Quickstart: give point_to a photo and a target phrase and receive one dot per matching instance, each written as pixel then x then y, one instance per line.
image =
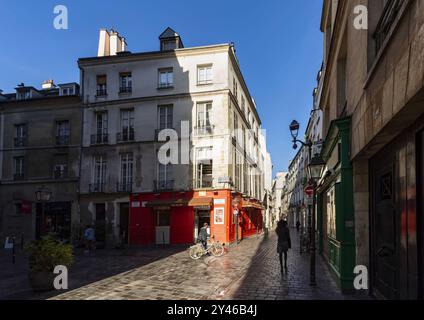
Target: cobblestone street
pixel 248 271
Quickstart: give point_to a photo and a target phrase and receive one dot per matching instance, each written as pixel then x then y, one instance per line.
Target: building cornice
pixel 140 56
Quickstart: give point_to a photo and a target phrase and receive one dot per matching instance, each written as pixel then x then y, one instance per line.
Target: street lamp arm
pixel 305 144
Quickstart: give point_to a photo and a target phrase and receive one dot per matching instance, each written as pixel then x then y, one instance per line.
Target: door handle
pixel 385 252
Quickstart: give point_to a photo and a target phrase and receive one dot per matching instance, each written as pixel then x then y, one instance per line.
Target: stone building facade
pixel 197 97
pixel 373 124
pixel 40 139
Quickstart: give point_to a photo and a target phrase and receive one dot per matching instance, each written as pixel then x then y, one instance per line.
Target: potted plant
pixel 44 255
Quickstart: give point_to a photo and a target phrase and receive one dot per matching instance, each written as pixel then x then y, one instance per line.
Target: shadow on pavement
pixel 14 284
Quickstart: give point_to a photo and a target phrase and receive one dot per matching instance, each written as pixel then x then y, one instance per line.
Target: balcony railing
pixel 157 131
pixel 124 187
pixel 62 140
pixel 19 142
pixel 205 182
pixel 125 89
pixel 101 92
pixel 164 185
pixel 96 187
pixel 165 85
pixel 102 138
pixel 388 17
pixel 60 174
pixel 125 136
pixel 18 176
pixel 204 130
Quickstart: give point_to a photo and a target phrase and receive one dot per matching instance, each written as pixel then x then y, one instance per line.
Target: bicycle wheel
pixel 217 250
pixel 195 253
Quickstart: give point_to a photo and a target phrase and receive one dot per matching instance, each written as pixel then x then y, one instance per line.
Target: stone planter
pixel 41 280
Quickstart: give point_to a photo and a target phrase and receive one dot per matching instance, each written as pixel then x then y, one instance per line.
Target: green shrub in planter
pixel 44 255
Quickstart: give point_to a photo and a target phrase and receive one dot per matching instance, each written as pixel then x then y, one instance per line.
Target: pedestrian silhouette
pixel 284 242
pixel 297 225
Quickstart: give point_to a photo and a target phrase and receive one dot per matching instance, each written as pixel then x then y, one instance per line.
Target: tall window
pixel 204 167
pixel 18 168
pixel 164 181
pixel 62 132
pixel 99 175
pixel 101 85
pixel 125 85
pixel 235 125
pixel 101 135
pixel 126 172
pixel 235 88
pixel 20 135
pixel 243 104
pixel 203 118
pixel 204 74
pixel 127 125
pixel 166 78
pixel 60 170
pixel 165 116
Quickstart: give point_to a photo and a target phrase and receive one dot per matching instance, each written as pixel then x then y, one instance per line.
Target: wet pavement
pixel 248 271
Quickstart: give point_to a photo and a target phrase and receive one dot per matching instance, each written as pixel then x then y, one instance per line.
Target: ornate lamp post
pixel 43 195
pixel 294 130
pixel 315 170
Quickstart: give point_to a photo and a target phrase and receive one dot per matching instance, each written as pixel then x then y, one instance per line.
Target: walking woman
pixel 284 242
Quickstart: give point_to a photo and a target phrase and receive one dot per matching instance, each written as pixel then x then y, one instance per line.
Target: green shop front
pixel 335 214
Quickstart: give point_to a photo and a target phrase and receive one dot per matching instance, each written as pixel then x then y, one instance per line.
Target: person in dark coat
pixel 203 235
pixel 284 242
pixel 298 225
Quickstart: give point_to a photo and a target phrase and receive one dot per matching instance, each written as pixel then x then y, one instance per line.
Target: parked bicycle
pixel 215 248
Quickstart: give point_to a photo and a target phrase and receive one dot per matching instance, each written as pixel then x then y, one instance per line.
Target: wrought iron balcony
pixel 60 174
pixel 388 17
pixel 19 142
pixel 125 136
pixel 164 185
pixel 102 138
pixel 157 131
pixel 205 182
pixel 62 140
pixel 125 89
pixel 203 130
pixel 124 187
pixel 96 187
pixel 101 92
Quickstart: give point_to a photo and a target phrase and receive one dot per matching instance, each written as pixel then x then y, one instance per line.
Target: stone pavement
pixel 248 271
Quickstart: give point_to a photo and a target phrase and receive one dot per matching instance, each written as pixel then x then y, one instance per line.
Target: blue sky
pixel 278 43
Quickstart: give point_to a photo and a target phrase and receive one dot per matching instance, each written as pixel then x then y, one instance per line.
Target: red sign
pixel 26 207
pixel 309 190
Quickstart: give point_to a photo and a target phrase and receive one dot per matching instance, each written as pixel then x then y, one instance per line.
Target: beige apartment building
pixel 370 209
pixel 199 95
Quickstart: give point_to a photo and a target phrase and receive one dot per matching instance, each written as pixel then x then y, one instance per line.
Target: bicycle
pixel 215 248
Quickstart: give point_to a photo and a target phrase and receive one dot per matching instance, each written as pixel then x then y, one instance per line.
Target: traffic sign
pixel 309 190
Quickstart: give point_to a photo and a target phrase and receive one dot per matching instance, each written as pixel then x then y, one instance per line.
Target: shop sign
pixel 135 204
pixel 218 201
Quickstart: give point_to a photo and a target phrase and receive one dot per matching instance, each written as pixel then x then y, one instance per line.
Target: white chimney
pixel 48 84
pixel 123 45
pixel 104 43
pixel 110 43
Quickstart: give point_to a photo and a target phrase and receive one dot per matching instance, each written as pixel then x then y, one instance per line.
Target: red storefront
pixel 176 217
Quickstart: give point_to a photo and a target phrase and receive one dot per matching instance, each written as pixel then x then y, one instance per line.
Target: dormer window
pixel 23 95
pixel 67 91
pixel 170 40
